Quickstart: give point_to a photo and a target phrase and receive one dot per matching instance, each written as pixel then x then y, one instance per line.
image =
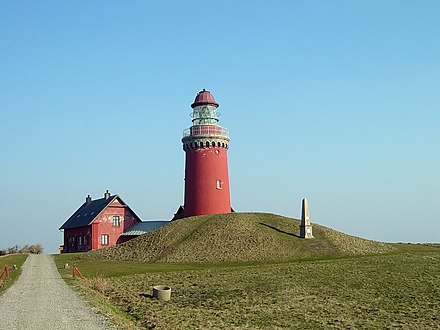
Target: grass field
pixel 237 237
pixel 10 260
pixel 400 289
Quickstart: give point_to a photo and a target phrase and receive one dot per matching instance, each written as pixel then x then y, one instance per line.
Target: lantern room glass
pixel 205 115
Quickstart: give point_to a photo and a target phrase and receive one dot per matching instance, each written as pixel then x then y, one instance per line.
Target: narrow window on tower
pixel 218 185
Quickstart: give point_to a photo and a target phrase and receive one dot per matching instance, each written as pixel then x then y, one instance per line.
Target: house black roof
pixel 85 215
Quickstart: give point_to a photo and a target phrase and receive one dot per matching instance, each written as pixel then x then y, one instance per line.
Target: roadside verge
pixel 85 286
pixel 11 260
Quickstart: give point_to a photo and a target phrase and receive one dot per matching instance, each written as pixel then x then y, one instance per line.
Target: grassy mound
pixel 236 237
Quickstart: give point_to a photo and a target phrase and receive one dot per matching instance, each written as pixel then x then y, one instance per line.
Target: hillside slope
pixel 237 237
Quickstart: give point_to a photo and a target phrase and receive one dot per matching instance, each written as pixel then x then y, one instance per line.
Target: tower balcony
pixel 206 131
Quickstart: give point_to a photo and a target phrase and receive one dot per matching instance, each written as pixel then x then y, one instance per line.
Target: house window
pixel 80 240
pixel 116 221
pixel 104 239
pixel 218 185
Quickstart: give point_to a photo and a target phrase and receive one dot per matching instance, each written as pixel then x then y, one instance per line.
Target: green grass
pixel 94 274
pixel 368 292
pixel 252 271
pixel 415 247
pixel 237 237
pixel 400 289
pixel 117 268
pixel 10 260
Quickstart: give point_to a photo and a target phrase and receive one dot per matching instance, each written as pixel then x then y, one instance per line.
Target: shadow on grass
pixel 146 295
pixel 279 230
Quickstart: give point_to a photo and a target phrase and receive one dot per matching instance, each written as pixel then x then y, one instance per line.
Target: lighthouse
pixel 206 146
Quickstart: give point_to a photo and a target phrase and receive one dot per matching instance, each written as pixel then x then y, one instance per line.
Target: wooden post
pixel 76 271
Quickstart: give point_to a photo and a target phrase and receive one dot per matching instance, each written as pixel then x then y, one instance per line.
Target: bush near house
pixel 25 249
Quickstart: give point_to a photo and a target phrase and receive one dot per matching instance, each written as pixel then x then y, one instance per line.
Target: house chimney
pixel 88 200
pixel 106 194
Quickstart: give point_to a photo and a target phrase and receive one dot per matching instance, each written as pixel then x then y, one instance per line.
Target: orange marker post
pixel 4 272
pixel 76 271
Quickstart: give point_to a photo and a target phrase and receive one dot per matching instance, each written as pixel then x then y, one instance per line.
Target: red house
pixel 100 223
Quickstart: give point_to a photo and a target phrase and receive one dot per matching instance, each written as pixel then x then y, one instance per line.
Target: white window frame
pixel 104 239
pixel 116 221
pixel 218 185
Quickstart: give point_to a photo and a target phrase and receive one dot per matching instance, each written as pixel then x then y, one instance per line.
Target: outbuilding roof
pixel 144 227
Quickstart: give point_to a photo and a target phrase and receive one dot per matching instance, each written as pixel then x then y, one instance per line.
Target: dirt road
pixel 40 299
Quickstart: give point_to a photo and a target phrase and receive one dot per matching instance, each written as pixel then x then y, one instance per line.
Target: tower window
pixel 116 221
pixel 218 185
pixel 104 239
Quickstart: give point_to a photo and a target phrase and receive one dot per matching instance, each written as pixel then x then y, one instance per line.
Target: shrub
pixel 99 284
pixel 36 248
pixel 11 250
pixel 25 249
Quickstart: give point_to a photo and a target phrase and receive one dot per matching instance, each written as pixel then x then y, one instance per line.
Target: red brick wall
pixel 85 239
pixel 105 223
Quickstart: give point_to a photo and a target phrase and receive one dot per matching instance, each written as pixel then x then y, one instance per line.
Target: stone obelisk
pixel 305 228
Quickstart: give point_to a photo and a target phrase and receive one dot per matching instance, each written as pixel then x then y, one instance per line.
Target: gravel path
pixel 40 299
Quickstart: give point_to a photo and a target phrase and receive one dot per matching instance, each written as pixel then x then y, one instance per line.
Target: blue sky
pixel 337 101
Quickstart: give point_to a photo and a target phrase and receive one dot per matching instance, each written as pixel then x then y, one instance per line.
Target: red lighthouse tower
pixel 206 167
